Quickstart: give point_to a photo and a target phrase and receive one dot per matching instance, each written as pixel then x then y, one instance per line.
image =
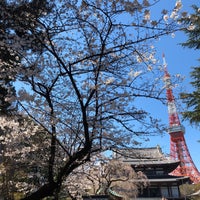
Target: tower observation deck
pixel 178 147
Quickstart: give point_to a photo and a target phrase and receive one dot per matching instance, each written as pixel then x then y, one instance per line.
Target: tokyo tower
pixel 178 147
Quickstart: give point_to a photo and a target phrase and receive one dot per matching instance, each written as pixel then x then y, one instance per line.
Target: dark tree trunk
pixel 44 191
pixel 53 188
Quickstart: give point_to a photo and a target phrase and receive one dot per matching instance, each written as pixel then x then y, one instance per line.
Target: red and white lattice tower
pixel 178 148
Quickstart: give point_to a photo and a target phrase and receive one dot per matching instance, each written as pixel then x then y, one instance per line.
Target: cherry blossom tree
pixel 23 157
pixel 105 176
pixel 86 65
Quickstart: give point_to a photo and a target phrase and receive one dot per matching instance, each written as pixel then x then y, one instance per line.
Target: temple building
pixel 157 167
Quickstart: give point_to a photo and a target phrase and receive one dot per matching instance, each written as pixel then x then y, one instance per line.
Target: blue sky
pixel 179 61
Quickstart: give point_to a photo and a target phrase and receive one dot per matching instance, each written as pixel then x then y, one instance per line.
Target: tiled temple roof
pixel 143 156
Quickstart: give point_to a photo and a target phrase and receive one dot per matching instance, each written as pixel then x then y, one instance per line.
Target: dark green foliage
pixel 21 21
pixel 192 100
pixel 6 92
pixel 18 22
pixel 192 29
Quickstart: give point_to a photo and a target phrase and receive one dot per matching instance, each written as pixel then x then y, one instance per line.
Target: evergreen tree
pixel 192 29
pixel 7 91
pixel 18 21
pixel 192 100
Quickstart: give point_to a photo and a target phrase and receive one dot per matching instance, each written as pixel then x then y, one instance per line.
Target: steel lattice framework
pixel 178 147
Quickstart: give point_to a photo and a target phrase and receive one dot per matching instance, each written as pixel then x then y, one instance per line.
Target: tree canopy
pixel 192 29
pixel 15 17
pixel 104 176
pixel 23 156
pixel 86 65
pixel 192 100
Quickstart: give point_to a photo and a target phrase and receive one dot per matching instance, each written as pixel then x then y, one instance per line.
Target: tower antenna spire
pixel 178 148
pixel 172 111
